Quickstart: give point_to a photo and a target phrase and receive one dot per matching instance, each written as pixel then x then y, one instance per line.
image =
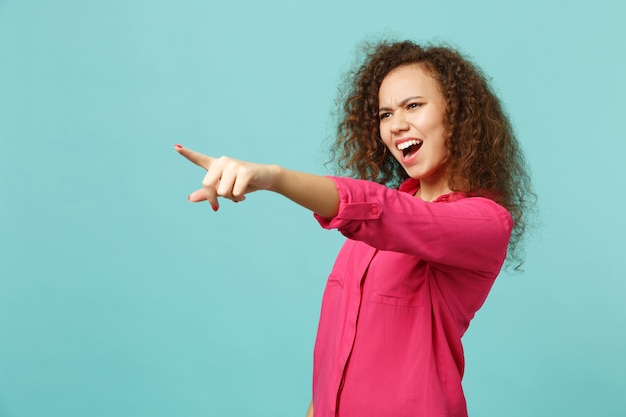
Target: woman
pixel 440 194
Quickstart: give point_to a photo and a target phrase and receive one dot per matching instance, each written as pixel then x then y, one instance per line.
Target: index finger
pixel 197 158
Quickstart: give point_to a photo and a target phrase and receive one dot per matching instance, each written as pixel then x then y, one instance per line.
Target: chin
pixel 419 174
pixel 416 175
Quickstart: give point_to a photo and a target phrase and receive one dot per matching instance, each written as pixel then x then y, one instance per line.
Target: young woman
pixel 439 196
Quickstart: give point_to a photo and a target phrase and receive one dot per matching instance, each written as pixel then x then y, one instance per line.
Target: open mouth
pixel 410 147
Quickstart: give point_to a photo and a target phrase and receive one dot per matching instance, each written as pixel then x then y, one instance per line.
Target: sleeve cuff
pixel 356 204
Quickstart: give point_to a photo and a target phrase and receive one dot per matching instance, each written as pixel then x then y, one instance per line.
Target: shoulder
pixel 481 208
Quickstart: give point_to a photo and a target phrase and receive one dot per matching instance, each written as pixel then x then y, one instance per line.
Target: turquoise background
pixel 120 298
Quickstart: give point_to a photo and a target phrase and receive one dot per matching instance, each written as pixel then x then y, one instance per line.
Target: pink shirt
pixel 401 294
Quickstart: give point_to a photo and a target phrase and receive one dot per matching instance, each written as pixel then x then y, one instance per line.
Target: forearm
pixel 316 193
pixel 232 179
pixel 309 412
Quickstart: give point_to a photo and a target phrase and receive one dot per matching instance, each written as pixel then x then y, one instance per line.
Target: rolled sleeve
pixel 470 233
pixel 355 205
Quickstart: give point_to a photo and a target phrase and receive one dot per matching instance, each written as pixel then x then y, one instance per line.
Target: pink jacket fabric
pixel 401 294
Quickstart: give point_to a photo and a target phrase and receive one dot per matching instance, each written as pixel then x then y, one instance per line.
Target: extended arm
pixel 469 233
pixel 232 179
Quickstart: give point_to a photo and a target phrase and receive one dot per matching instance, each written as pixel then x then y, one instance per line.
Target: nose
pixel 398 123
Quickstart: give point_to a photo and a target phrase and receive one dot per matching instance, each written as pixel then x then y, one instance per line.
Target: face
pixel 411 114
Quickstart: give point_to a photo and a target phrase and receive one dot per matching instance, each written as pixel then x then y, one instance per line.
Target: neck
pixel 432 188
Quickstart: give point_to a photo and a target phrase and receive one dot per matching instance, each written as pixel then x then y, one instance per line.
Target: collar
pixel 412 185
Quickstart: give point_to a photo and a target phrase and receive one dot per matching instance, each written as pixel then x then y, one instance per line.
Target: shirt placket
pixel 353 317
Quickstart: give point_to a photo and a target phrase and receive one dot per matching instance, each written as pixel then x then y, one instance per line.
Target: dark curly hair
pixel 484 157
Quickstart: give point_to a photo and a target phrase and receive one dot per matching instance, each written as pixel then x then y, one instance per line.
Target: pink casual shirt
pixel 401 294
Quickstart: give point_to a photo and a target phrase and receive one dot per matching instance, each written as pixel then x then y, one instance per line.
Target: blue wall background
pixel 119 298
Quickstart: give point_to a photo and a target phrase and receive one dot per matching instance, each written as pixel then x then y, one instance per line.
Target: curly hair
pixel 484 157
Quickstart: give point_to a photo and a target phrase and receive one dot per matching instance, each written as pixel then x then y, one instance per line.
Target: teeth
pixel 409 143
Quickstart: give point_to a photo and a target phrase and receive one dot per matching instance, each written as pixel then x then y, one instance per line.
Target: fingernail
pixel 177 146
pixel 214 207
pixel 189 197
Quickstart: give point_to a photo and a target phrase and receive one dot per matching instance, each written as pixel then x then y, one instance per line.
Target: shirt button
pixel 374 210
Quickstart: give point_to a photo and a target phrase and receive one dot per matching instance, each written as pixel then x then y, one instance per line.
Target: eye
pixel 413 105
pixel 385 115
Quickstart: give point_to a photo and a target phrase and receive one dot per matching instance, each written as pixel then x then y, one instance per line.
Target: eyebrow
pixel 402 103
